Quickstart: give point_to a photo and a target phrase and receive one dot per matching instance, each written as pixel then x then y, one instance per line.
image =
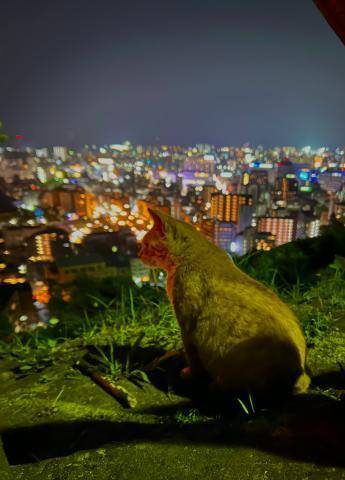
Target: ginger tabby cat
pixel 235 331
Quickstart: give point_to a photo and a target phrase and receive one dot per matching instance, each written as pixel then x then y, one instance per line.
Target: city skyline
pixel 207 73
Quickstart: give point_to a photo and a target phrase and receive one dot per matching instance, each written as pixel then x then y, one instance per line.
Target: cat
pixel 236 332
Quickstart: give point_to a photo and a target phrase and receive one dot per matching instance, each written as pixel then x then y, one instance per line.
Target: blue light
pixel 38 212
pixel 304 175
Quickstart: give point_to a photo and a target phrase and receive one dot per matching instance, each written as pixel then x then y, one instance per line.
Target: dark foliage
pixel 296 262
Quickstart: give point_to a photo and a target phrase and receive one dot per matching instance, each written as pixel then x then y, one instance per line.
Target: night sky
pixel 268 72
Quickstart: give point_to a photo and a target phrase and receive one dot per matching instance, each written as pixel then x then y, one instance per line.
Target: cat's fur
pixel 234 330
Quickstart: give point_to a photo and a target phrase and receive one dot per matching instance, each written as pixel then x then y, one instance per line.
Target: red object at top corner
pixel 334 13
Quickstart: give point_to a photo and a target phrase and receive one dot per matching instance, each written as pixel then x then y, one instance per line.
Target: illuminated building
pixel 313 228
pixel 301 225
pixel 197 170
pixel 256 177
pixel 225 185
pixel 226 207
pixel 41 175
pixel 204 164
pixel 90 204
pixel 282 228
pixel 339 211
pixel 220 233
pixel 224 233
pixel 60 153
pixel 264 241
pixel 19 236
pixel 41 152
pixel 307 225
pixel 194 178
pixel 289 187
pixel 244 242
pixel 47 245
pixel 43 247
pixel 69 200
pixel 332 181
pixel 324 218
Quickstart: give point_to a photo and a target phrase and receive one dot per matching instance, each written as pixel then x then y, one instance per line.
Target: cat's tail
pixel 302 383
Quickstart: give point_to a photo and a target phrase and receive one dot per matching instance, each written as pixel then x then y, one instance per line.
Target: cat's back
pixel 220 306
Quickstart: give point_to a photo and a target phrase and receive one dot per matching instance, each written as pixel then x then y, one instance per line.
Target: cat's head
pixel 171 241
pixel 154 250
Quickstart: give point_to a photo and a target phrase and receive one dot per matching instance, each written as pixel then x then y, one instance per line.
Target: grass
pixel 134 317
pixel 247 406
pixel 190 416
pixel 320 306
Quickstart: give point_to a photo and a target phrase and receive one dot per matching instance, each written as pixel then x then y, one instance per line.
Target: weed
pixel 133 317
pixel 249 408
pixel 186 417
pixel 58 397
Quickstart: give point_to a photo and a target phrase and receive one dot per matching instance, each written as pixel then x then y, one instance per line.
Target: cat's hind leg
pixel 194 370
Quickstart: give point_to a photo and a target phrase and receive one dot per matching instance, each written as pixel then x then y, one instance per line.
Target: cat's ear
pixel 158 219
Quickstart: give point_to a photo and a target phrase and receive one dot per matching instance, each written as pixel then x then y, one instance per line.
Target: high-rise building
pixel 224 234
pixel 220 233
pixel 283 229
pixel 289 187
pixel 226 207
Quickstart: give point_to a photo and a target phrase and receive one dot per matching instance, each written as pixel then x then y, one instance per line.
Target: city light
pixel 239 198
